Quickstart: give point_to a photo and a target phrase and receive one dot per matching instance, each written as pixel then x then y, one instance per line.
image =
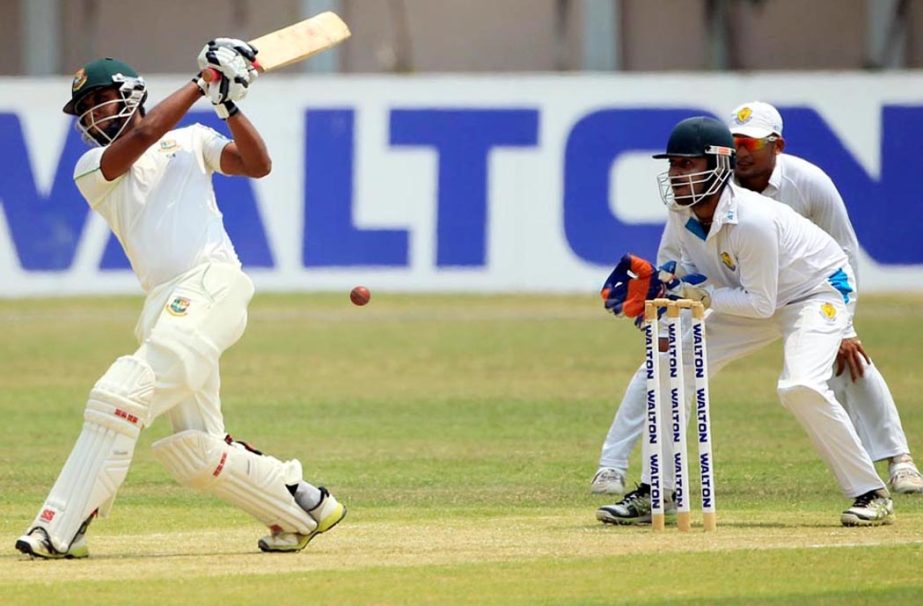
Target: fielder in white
pixel 153 186
pixel 771 274
pixel 762 167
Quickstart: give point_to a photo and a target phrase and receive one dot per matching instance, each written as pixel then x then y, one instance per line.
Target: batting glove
pixel 229 63
pixel 247 50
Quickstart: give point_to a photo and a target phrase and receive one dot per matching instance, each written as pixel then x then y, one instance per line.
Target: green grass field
pixel 461 432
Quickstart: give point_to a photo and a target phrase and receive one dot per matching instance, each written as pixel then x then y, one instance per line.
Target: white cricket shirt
pixel 758 255
pixel 812 194
pixel 163 209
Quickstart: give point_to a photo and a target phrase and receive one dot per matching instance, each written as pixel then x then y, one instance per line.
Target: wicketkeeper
pixel 770 274
pixel 761 166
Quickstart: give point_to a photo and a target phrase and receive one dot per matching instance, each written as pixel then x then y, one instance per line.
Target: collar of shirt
pixel 725 213
pixel 775 179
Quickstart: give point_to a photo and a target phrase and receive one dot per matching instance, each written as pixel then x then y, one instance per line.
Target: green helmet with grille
pixel 98 75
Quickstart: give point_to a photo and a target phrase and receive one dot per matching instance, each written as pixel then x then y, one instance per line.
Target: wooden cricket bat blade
pixel 300 41
pixel 294 43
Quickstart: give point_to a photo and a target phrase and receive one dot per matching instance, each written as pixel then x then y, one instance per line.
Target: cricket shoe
pixel 328 513
pixel 905 477
pixel 36 544
pixel 608 481
pixel 634 509
pixel 873 508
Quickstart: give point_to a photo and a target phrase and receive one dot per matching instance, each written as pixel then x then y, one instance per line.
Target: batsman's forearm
pixel 125 150
pixel 167 114
pixel 250 145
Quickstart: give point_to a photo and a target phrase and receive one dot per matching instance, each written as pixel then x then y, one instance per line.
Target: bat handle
pixel 210 74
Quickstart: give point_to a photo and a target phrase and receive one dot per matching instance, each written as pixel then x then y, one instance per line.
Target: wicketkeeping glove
pixel 631 283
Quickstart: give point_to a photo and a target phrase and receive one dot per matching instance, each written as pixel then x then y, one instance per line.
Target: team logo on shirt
pixel 743 115
pixel 728 261
pixel 80 78
pixel 179 306
pixel 828 311
pixel 168 145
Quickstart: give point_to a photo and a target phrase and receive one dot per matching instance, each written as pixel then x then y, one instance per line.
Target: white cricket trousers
pixel 811 337
pixel 184 328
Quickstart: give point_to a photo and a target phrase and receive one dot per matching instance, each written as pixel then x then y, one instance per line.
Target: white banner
pixel 500 183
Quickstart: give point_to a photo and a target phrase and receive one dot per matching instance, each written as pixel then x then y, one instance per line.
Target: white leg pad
pixel 256 483
pixel 116 412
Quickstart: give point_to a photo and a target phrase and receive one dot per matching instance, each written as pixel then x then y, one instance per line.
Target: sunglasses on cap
pixel 752 144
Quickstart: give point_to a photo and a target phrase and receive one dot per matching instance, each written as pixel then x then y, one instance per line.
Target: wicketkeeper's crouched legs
pixel 627 425
pixel 833 436
pixel 812 331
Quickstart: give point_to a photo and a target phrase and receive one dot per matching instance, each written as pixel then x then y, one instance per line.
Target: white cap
pixel 756 119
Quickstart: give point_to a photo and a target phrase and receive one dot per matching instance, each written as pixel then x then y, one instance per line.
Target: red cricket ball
pixel 360 295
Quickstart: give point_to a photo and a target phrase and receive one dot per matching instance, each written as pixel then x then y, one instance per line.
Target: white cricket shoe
pixel 608 481
pixel 874 508
pixel 36 544
pixel 905 477
pixel 328 513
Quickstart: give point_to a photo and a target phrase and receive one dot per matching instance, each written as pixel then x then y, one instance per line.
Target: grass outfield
pixel 461 432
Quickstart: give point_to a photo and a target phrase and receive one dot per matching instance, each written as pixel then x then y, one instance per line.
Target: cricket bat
pixel 294 43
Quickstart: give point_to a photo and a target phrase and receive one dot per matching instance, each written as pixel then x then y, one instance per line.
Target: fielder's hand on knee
pixel 851 354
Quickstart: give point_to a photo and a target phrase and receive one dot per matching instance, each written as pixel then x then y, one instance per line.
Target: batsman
pixel 152 183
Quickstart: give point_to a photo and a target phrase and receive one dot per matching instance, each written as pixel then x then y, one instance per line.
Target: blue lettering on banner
pixel 886 213
pixel 594 144
pixel 330 237
pixel 45 230
pixel 463 140
pixel 46 227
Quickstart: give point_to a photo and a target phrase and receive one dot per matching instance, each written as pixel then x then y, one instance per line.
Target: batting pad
pixel 116 412
pixel 256 483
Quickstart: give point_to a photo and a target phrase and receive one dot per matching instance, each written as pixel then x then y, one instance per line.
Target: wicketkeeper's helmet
pixel 697 138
